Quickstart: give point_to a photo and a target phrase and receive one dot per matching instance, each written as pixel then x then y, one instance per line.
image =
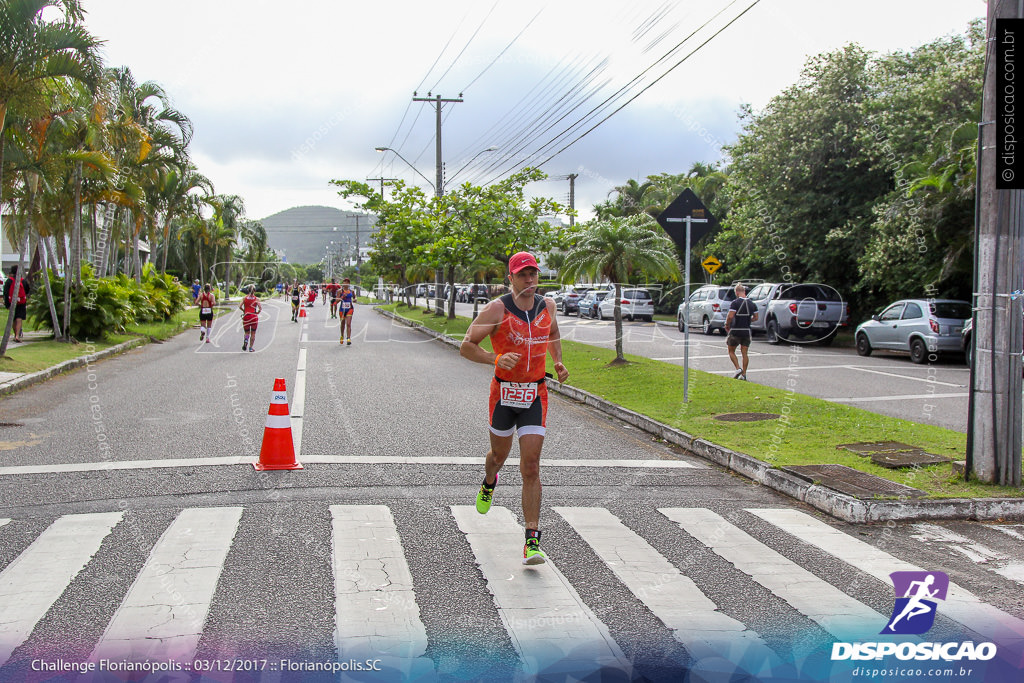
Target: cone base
pixel 260 467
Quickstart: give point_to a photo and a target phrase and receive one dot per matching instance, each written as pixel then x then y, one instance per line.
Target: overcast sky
pixel 286 96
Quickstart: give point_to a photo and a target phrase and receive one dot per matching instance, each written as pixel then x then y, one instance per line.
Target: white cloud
pixel 285 97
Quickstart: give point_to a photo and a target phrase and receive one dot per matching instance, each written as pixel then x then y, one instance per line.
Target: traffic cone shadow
pixel 278 451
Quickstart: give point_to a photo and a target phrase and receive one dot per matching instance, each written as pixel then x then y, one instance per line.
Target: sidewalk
pixel 841 505
pixel 11 382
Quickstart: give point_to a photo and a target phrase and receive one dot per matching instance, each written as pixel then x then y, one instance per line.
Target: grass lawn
pixel 809 432
pixel 39 355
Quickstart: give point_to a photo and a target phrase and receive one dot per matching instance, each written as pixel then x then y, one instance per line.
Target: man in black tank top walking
pixel 737 327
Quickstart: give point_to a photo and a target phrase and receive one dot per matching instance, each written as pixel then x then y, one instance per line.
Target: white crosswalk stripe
pixel 38 576
pixel 960 605
pixel 163 614
pixel 829 607
pixel 541 611
pixel 375 608
pixel 377 612
pixel 674 598
pixel 990 558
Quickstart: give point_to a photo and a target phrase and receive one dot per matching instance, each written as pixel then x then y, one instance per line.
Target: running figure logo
pixel 914 612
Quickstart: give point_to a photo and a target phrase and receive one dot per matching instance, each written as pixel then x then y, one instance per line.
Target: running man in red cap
pixel 523 330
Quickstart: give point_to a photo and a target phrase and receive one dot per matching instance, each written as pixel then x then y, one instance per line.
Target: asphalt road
pixel 660 564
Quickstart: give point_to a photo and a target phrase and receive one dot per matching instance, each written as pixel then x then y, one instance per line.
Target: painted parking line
pixel 38 576
pixel 897 397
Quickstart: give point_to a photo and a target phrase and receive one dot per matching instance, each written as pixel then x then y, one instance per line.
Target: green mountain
pixel 304 234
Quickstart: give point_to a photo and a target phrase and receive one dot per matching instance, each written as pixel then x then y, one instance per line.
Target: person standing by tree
pixel 251 309
pixel 523 331
pixel 206 301
pixel 19 301
pixel 737 329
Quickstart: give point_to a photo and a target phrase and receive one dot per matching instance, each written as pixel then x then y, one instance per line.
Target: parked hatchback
pixel 709 307
pixel 924 327
pixel 571 299
pixel 587 307
pixel 636 303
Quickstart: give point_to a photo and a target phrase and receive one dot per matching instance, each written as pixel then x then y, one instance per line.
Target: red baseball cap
pixel 523 259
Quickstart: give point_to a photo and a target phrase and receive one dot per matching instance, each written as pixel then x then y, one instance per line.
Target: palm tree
pixel 33 54
pixel 612 250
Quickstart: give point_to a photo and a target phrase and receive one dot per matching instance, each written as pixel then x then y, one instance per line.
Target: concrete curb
pixel 840 505
pixel 28 380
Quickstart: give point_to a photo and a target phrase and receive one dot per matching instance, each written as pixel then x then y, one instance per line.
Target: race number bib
pixel 518 394
pixel 205 310
pixel 345 305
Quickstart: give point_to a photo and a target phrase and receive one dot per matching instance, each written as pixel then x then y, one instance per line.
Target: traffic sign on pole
pixel 711 264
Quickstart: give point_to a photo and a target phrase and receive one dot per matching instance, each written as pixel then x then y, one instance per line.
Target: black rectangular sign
pixel 1009 44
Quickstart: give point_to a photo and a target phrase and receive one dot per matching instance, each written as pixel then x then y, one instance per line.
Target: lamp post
pixel 471 160
pixel 389 149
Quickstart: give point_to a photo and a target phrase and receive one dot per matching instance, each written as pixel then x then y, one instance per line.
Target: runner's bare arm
pixel 555 344
pixel 479 329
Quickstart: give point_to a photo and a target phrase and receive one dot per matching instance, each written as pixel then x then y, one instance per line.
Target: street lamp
pixel 389 149
pixel 483 151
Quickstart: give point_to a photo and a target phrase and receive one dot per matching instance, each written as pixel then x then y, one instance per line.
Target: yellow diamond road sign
pixel 711 264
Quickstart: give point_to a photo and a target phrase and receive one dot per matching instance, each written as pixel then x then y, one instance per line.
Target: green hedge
pixel 104 306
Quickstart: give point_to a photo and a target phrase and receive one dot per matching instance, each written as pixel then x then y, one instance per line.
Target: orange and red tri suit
pixel 519 397
pixel 250 313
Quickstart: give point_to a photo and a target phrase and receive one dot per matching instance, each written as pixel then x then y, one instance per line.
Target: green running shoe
pixel 532 554
pixel 483 498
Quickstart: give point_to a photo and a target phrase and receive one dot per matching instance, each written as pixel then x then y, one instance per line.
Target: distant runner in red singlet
pixel 206 301
pixel 250 308
pixel 523 330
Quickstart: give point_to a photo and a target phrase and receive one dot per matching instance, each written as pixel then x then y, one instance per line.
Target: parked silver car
pixel 709 307
pixel 924 327
pixel 635 304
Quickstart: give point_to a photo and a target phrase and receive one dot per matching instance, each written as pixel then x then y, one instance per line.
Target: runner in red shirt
pixel 206 301
pixel 250 308
pixel 332 292
pixel 523 330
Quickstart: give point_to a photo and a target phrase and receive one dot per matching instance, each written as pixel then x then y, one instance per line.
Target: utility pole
pixel 439 183
pixel 572 197
pixel 994 408
pixel 390 180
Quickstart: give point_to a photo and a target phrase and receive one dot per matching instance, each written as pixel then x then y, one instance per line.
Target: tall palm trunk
pixel 167 245
pixel 48 265
pixel 73 269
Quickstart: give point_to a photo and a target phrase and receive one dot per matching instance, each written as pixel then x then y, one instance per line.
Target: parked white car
pixel 636 304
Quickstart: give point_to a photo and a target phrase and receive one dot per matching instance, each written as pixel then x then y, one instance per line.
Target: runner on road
pixel 737 329
pixel 250 308
pixel 523 330
pixel 332 290
pixel 206 301
pixel 296 300
pixel 346 306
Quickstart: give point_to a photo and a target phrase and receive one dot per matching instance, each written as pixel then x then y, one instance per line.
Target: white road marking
pixel 162 616
pixel 298 402
pixel 926 380
pixel 471 461
pixel 820 601
pixel 960 605
pixel 995 560
pixel 1010 530
pixel 673 597
pixel 4 521
pixel 376 615
pixel 543 614
pixel 37 577
pixel 898 397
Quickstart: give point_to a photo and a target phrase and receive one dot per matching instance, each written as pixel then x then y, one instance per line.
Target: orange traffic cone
pixel 302 312
pixel 278 451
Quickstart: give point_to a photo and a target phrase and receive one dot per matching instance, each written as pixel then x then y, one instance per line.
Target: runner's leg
pixel 529 467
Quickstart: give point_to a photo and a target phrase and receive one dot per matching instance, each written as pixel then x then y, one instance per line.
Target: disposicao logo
pixel 916 595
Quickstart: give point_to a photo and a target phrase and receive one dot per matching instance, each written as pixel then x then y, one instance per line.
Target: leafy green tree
pixel 612 249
